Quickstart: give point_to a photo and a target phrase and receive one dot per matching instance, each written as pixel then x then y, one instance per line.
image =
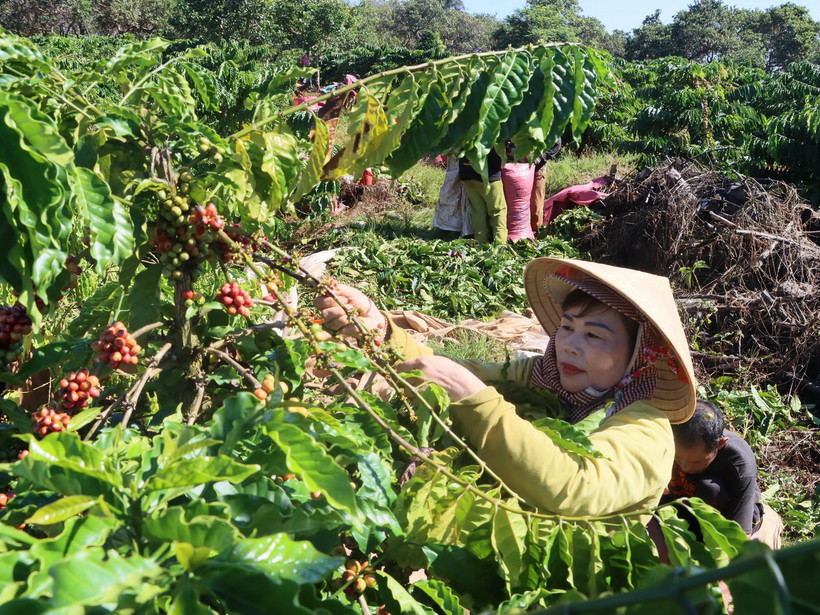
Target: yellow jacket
pixel 636 443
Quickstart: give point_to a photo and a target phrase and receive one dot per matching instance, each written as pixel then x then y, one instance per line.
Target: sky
pixel 628 14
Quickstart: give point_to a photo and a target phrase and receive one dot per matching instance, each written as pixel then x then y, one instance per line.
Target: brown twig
pixel 104 415
pixel 363 605
pixel 151 371
pixel 243 371
pixel 146 328
pixel 195 407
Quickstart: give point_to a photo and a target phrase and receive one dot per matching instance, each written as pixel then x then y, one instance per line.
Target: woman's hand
pixel 335 317
pixel 457 380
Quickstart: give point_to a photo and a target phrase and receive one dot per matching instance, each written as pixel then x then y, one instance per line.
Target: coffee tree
pixel 198 443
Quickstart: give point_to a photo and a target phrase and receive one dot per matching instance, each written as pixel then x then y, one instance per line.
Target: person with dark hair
pixel 718 466
pixel 617 357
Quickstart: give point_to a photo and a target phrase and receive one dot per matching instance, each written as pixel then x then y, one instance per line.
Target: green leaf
pixel 34 163
pixel 723 537
pixel 351 357
pixel 401 107
pixel 521 115
pixel 441 595
pixel 426 129
pixel 29 606
pixel 463 129
pixel 144 297
pixel 20 418
pixel 259 596
pixel 310 461
pixel 509 531
pixel 198 528
pixel 62 509
pixel 185 601
pixel 189 556
pixel 312 173
pixel 563 96
pixel 68 466
pixel 585 77
pixel 192 472
pixel 508 83
pixel 81 419
pixel 96 310
pixel 204 85
pixel 439 401
pixel 370 123
pixel 281 164
pixel 233 420
pixel 567 436
pixel 112 233
pixel 112 574
pixel 12 537
pixel 398 599
pixel 277 557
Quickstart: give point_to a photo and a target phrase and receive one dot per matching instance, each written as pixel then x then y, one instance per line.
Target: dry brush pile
pixel 744 256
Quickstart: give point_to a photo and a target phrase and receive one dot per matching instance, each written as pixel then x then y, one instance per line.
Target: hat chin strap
pixel 636 352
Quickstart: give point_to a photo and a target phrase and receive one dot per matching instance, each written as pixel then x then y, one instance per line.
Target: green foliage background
pixel 197 497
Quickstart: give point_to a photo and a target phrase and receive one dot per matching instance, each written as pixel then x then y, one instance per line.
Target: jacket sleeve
pixel 636 443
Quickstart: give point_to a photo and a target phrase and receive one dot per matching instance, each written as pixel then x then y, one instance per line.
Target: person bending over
pixel 719 467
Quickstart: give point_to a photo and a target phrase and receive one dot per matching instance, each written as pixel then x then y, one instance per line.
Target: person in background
pixel 452 213
pixel 488 208
pixel 539 186
pixel 718 466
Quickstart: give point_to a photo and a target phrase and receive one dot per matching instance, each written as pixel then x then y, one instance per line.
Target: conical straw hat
pixel 548 281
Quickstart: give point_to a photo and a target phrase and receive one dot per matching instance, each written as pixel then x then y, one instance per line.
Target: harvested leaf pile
pixel 744 258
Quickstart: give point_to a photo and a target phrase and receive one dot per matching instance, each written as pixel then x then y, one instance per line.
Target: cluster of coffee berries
pixel 193 297
pixel 77 388
pixel 48 420
pixel 241 244
pixel 206 147
pixel 235 299
pixel 182 245
pixel 358 577
pixel 14 325
pixel 268 387
pixel 5 496
pixel 116 346
pixel 206 218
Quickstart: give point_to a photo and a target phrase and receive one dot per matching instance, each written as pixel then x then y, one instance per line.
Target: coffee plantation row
pixel 181 438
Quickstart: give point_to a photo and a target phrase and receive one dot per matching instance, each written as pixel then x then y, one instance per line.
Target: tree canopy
pixel 706 30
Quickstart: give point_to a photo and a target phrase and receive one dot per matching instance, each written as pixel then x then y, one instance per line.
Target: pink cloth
pixel 351 79
pixel 583 194
pixel 298 100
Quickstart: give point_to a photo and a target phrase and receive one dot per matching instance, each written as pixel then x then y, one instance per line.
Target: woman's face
pixel 593 349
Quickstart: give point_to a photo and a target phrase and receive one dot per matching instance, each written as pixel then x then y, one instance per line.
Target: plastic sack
pixel 517 178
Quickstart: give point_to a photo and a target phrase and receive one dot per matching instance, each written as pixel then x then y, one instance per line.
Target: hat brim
pixel 548 281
